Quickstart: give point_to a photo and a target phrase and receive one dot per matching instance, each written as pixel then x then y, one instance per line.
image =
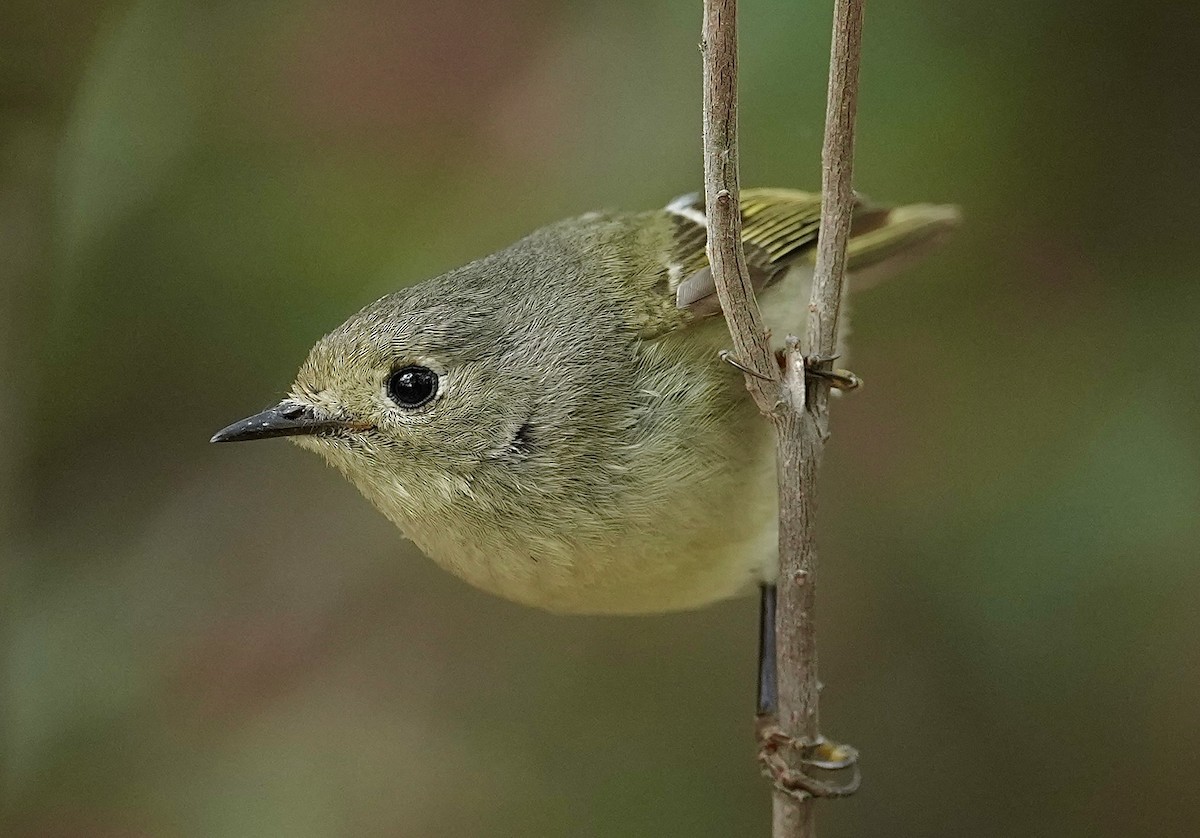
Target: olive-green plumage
pixel 583 450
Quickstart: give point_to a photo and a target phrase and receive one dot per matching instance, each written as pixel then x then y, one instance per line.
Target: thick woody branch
pixel 722 204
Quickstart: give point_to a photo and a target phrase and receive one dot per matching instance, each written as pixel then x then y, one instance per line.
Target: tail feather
pixel 905 235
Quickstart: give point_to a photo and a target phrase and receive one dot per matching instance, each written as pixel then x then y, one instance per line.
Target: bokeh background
pixel 204 641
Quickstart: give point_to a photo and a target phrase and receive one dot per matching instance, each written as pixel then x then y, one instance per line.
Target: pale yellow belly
pixel 675 566
pixel 698 525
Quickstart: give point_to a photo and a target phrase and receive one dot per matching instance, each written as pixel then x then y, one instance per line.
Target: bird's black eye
pixel 412 386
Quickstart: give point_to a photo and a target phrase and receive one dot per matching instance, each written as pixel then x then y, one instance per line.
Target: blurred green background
pixel 206 641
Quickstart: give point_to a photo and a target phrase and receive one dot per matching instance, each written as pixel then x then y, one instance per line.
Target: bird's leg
pixel 773 741
pixel 768 684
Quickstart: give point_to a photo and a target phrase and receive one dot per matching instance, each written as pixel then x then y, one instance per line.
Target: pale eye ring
pixel 412 386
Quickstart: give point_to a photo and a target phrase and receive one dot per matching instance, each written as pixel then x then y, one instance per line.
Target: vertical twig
pixel 804 426
pixel 837 191
pixel 718 45
pixel 798 405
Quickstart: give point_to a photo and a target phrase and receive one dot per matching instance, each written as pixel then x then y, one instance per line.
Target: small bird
pixel 552 422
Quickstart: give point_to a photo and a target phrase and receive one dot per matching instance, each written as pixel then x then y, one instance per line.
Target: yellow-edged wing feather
pixel 779 229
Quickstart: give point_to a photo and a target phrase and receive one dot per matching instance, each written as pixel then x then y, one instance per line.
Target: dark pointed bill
pixel 284 419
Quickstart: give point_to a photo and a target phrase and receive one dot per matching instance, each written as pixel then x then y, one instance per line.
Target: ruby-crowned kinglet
pixel 552 422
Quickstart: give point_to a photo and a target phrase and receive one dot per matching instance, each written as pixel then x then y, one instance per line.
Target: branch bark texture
pixel 804 426
pixel 796 403
pixel 718 45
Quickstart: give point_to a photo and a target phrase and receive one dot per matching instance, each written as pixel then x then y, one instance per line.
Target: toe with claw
pixel 817 366
pixel 821 754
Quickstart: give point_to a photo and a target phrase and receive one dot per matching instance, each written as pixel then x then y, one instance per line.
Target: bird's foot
pixel 814 366
pixel 819 366
pixel 790 776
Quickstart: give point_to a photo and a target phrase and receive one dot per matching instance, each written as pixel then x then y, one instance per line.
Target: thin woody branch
pixel 803 428
pixel 837 190
pixel 797 401
pixel 718 46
